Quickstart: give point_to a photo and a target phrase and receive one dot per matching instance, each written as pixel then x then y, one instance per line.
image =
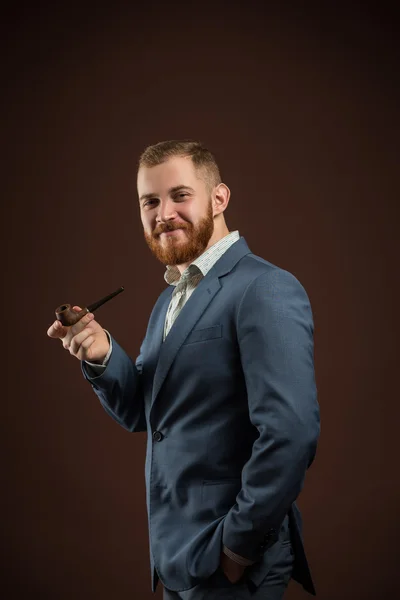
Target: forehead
pixel 175 171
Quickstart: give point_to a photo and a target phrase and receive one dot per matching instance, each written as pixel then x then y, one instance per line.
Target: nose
pixel 166 211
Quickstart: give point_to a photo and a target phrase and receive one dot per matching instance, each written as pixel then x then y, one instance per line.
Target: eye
pixel 149 202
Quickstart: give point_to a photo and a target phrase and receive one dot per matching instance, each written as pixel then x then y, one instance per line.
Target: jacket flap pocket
pixel 202 335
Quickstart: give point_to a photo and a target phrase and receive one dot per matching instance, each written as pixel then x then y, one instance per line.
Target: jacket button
pixel 157 436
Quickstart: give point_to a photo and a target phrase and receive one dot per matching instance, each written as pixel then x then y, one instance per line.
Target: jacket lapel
pixel 182 326
pixel 161 355
pixel 154 336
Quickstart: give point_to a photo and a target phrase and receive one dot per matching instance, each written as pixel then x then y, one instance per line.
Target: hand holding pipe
pixel 68 316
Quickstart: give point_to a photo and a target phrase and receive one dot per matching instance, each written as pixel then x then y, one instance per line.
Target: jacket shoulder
pixel 258 268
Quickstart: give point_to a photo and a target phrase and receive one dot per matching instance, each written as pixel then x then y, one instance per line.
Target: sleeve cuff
pixel 245 562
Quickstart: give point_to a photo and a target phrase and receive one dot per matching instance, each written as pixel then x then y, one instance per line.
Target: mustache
pixel 166 228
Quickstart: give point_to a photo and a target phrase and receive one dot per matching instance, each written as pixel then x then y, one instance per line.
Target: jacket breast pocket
pixel 218 497
pixel 203 335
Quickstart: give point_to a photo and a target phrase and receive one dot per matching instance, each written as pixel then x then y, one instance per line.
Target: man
pixel 224 386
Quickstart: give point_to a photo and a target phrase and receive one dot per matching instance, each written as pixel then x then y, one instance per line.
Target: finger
pixel 81 324
pixel 77 340
pixel 76 329
pixel 56 330
pixel 81 343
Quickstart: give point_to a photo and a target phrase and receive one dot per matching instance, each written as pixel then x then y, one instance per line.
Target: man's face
pixel 173 198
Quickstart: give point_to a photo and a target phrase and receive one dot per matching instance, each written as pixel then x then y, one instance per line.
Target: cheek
pixel 186 214
pixel 146 222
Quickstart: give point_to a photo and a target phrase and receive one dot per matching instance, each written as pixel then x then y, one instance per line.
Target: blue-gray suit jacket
pixel 230 406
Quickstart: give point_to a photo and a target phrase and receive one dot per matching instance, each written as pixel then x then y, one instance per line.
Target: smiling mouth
pixel 170 232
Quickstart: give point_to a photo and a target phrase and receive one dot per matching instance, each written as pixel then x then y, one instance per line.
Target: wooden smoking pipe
pixel 68 316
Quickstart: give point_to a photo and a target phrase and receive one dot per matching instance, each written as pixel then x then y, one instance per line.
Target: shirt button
pixel 157 436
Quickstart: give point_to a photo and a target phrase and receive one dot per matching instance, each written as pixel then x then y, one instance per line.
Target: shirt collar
pixel 204 262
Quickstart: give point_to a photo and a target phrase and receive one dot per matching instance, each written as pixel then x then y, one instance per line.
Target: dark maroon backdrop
pixel 301 110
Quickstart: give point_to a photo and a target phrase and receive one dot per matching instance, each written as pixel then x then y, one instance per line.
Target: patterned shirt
pixel 186 283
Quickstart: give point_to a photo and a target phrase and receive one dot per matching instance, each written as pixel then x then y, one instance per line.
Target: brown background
pixel 301 110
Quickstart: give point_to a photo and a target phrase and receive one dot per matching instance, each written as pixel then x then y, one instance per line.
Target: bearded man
pixel 224 386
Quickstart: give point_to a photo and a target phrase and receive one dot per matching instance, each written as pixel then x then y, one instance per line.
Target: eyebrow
pixel 171 191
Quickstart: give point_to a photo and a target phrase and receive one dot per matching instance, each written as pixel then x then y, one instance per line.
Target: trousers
pixel 218 586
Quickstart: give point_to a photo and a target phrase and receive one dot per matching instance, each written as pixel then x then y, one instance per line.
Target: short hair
pixel 202 159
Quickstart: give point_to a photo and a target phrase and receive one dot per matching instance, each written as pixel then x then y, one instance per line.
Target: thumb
pixel 57 330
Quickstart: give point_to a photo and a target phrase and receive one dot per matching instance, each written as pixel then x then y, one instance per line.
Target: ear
pixel 220 197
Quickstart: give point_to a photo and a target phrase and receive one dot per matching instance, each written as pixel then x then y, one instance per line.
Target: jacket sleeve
pixel 275 335
pixel 120 388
